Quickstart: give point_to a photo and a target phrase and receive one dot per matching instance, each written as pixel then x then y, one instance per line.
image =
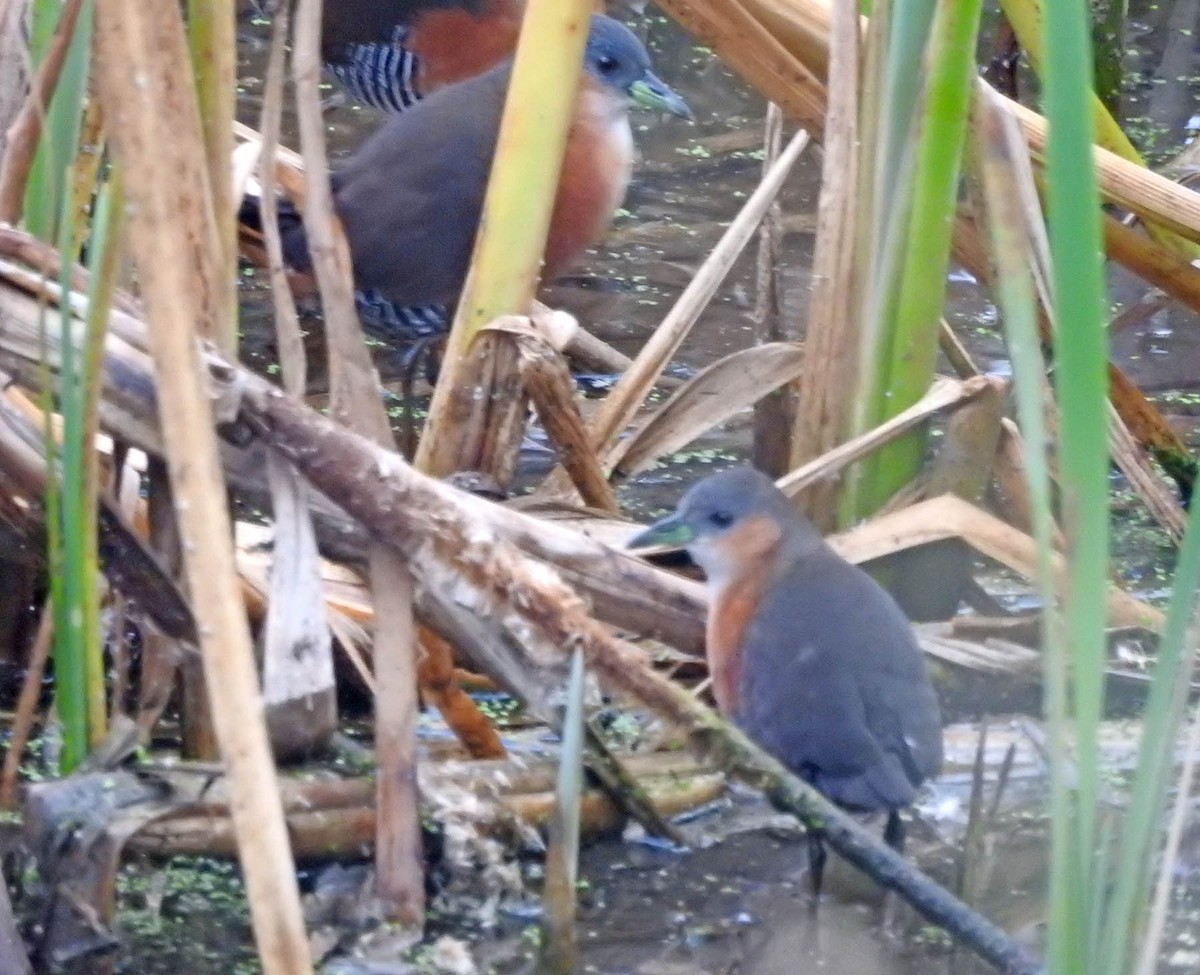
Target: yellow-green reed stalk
pixel 105 254
pixel 523 184
pixel 47 184
pixel 1098 891
pixel 72 573
pixel 70 691
pixel 1081 388
pixel 1014 293
pixel 898 365
pixel 898 34
pixel 212 40
pixel 50 214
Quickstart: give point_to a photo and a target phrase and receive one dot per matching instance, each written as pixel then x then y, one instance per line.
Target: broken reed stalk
pixel 354 385
pixel 1134 462
pixel 203 788
pixel 776 412
pixel 150 105
pixel 24 134
pixel 126 560
pixel 548 383
pixel 947 516
pixel 477 414
pixel 299 684
pixel 22 246
pixel 830 343
pixel 943 394
pixel 623 590
pixel 621 405
pixel 1152 262
pixel 449 544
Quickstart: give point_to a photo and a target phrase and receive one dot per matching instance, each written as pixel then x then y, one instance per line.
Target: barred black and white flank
pixel 382 75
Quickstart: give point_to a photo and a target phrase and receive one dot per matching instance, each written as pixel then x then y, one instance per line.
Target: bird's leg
pixel 435 348
pixel 817 855
pixel 893 836
pixel 409 364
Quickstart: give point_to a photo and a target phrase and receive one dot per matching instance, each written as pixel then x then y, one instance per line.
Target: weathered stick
pixel 31 692
pixel 398 859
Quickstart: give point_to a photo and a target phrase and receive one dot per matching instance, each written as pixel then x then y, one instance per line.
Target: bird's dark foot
pixel 817 855
pixel 894 832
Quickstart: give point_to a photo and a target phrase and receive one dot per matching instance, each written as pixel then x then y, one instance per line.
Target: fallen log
pixel 349 831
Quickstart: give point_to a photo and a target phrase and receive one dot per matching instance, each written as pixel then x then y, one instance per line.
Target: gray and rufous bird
pixel 808 654
pixel 411 196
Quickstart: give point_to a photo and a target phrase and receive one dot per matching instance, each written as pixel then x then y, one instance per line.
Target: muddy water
pixel 741 903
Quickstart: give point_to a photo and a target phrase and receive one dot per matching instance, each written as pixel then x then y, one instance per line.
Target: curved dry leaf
pixel 711 397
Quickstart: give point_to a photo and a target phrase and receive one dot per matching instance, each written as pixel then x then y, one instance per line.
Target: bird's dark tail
pixel 291 230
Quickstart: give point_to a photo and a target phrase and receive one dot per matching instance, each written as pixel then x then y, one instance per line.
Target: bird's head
pixel 618 62
pixel 732 520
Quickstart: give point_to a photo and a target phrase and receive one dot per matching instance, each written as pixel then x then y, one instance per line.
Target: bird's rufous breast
pixel 747 554
pixel 597 165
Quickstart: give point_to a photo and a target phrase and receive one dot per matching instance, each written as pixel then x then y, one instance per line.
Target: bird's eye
pixel 720 519
pixel 607 63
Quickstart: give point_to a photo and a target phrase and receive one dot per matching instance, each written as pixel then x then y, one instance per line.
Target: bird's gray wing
pixel 410 197
pixel 831 699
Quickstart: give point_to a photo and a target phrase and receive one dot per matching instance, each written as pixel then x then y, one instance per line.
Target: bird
pixel 808 655
pixel 390 54
pixel 410 197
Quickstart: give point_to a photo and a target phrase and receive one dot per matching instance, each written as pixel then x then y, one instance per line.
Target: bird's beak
pixel 652 92
pixel 671 532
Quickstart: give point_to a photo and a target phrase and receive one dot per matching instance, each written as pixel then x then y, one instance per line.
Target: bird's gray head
pixel 712 517
pixel 617 60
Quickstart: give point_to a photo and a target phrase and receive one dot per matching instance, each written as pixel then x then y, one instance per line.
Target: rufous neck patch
pixel 748 554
